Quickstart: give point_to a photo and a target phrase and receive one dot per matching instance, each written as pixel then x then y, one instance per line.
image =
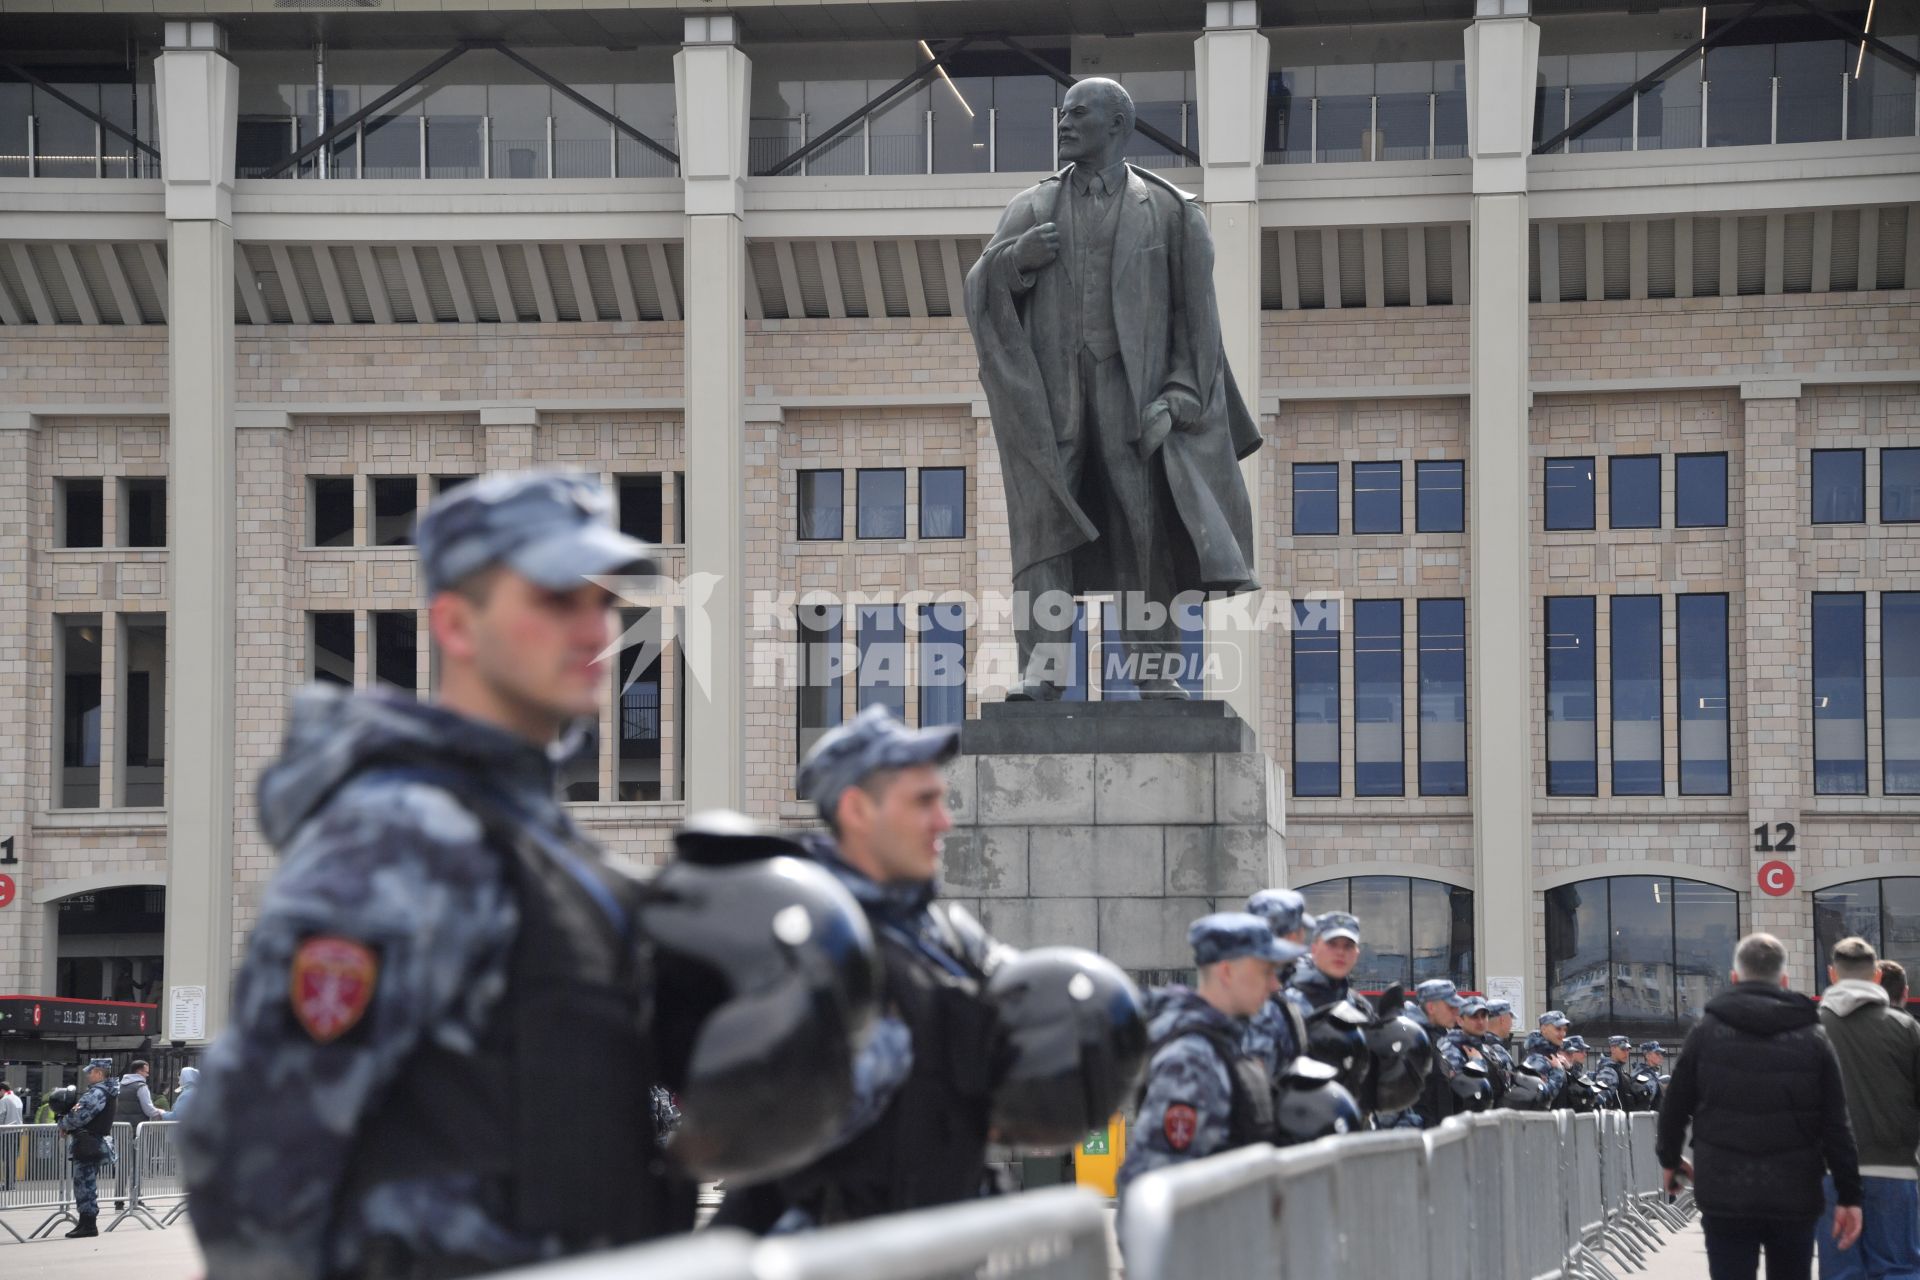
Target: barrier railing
pixel 35 1174
pixel 156 1186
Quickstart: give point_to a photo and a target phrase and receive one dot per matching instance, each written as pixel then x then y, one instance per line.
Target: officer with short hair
pixel 1546 1055
pixel 1277 1030
pixel 1205 1091
pixel 1477 1042
pixel 1653 1071
pixel 90 1143
pixel 1333 1013
pixel 1494 1044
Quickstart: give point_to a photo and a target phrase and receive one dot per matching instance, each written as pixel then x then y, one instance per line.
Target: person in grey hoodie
pixel 1879 1051
pixel 189 1080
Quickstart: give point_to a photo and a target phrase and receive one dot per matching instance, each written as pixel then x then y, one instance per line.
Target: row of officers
pixel 462 1039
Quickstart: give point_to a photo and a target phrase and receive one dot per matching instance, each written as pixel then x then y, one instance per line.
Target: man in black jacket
pixel 1759 1083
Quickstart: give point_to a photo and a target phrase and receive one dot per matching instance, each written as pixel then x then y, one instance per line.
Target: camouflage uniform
pixel 1609 1074
pixel 86 1173
pixel 1276 1033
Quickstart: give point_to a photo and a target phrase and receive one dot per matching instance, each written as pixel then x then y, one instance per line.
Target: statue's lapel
pixel 1136 222
pixel 1062 219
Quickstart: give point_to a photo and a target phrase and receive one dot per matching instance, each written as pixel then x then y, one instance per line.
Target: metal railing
pixel 36 1176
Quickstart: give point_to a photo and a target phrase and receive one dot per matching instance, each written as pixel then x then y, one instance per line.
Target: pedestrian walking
pixel 11 1113
pixel 1879 1052
pixel 90 1143
pixel 1760 1089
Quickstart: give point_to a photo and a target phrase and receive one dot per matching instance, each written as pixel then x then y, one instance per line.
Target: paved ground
pixel 1683 1257
pixel 128 1252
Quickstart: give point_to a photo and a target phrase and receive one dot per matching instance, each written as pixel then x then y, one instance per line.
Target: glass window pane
pixel 518 130
pixel 1316 700
pixel 1376 497
pixel 1328 895
pixel 638 708
pixel 143 726
pixel 1899 485
pixel 1639 758
pixel 1839 486
pixel 961 124
pixel 898 131
pixel 1316 498
pixel 1571 730
pixel 1900 923
pixel 1882 92
pixel 1439 497
pixel 80 697
pixel 1432 948
pixel 1379 675
pixel 1706 928
pixel 1812 76
pixel 1844 911
pixel 1443 697
pixel 1900 691
pixel 579 772
pixel 943 663
pixel 1569 493
pixel 143 512
pixel 1700 490
pixel 1839 693
pixel 82 511
pixel 1386 927
pixel 1633 492
pixel 331 500
pixel 1577 951
pixel 396 649
pixel 330 660
pixel 1641 975
pixel 883 503
pixel 1023 137
pixel 1463 939
pixel 1669 109
pixel 1701 621
pixel 943 502
pixel 883 658
pixel 641 506
pixel 822 517
pixel 1596 78
pixel 1740 101
pixel 1190 620
pixel 393 503
pixel 822 664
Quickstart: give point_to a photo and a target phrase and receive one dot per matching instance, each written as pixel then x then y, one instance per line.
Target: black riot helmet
pixel 1580 1094
pixel 1472 1086
pixel 1637 1089
pixel 764 979
pixel 1309 1102
pixel 1337 1036
pixel 1072 1037
pixel 1397 1046
pixel 1526 1091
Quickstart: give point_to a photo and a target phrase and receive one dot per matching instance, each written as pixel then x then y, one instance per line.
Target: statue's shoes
pixel 1041 692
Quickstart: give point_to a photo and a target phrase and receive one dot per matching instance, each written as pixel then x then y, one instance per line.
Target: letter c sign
pixel 1776 879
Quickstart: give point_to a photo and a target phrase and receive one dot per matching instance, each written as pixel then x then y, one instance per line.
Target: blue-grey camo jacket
pixel 398 870
pixel 90 1104
pixel 1187 1107
pixel 1539 1053
pixel 1271 1034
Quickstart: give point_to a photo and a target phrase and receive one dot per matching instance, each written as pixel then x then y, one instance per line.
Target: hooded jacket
pixel 189 1081
pixel 1759 1083
pixel 1879 1050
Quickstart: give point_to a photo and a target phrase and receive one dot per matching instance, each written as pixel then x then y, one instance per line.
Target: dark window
pixel 1376 497
pixel 1316 698
pixel 822 506
pixel 1439 500
pixel 80 696
pixel 641 507
pixel 396 649
pixel 883 503
pixel 882 637
pixel 1839 693
pixel 680 519
pixel 1633 492
pixel 1571 737
pixel 638 707
pixel 143 512
pixel 1316 498
pixel 82 512
pixel 1415 929
pixel 579 772
pixel 443 485
pixel 1379 679
pixel 1443 697
pixel 1701 623
pixel 1184 661
pixel 1883 912
pixel 1839 486
pixel 1700 491
pixel 821 666
pixel 1569 493
pixel 331 657
pixel 1639 755
pixel 943 663
pixel 943 502
pixel 331 498
pixel 1899 486
pixel 394 499
pixel 1638 955
pixel 143 727
pixel 1900 691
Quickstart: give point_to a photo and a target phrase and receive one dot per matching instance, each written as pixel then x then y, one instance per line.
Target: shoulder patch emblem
pixel 1181 1123
pixel 332 985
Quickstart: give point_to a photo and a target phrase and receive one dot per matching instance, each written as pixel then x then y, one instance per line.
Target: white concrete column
pixel 1502 53
pixel 1231 61
pixel 711 84
pixel 198 91
pixel 27 767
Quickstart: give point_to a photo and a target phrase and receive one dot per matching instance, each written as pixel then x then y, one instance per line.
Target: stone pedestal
pixel 1112 825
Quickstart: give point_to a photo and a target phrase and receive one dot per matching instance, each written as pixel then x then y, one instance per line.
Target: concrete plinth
pixel 1116 838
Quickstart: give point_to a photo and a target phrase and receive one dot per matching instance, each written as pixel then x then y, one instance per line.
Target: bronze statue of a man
pixel 1119 425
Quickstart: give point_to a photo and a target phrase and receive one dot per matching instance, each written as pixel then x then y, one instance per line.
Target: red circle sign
pixel 1776 879
pixel 6 891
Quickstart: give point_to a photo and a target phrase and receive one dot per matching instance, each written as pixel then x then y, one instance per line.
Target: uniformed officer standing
pixel 442 950
pixel 1205 1091
pixel 90 1145
pixel 1494 1046
pixel 1277 1030
pixel 1611 1076
pixel 1332 953
pixel 1544 1055
pixel 917 1136
pixel 1437 1006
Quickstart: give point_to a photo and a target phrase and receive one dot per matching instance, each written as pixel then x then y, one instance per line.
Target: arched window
pixel 1884 912
pixel 1638 955
pixel 1411 929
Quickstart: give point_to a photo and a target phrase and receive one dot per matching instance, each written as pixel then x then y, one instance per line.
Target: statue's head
pixel 1095 122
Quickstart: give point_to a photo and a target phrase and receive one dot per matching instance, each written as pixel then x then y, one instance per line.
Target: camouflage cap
pixel 1499 1008
pixel 1652 1046
pixel 101 1064
pixel 874 739
pixel 552 527
pixel 1577 1044
pixel 1283 909
pixel 1473 1006
pixel 1229 935
pixel 1555 1018
pixel 1335 924
pixel 1619 1042
pixel 1438 989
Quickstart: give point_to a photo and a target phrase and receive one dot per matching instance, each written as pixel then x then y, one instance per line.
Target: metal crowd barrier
pixel 156 1186
pixel 35 1174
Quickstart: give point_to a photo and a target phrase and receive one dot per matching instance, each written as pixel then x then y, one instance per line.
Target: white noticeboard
pixel 1508 989
pixel 186 1013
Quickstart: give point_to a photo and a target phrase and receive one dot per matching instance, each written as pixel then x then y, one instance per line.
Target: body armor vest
pixel 1250 1110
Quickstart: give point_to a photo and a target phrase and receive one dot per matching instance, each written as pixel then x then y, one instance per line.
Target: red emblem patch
pixel 1181 1123
pixel 332 985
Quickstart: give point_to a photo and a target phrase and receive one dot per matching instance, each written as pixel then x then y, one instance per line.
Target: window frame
pixel 1887 774
pixel 1380 465
pixel 1859 457
pixel 1315 469
pixel 1559 998
pixel 1339 682
pixel 1726 676
pixel 1903 451
pixel 1614 463
pixel 860 506
pixel 1420 699
pixel 1399 637
pixel 312 531
pixel 802 479
pixel 961 532
pixel 1856 602
pixel 1547 468
pixel 1552 605
pixel 1680 468
pixel 1659 605
pixel 1423 468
